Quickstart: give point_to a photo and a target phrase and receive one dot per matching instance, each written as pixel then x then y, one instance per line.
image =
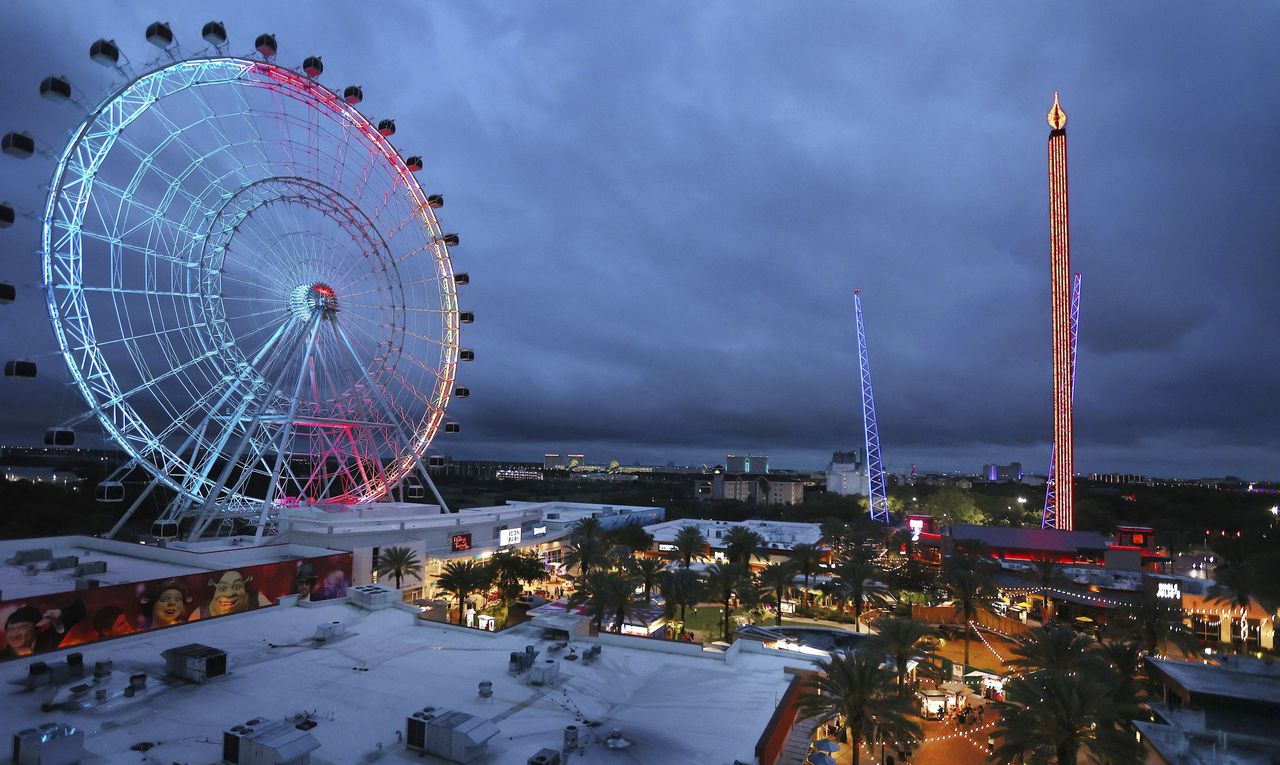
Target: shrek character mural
pixel 231 595
pixel 163 605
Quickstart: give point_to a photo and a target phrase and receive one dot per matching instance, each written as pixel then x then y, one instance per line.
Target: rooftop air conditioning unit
pixel 453 736
pixel 195 662
pixel 330 631
pixel 62 562
pixel 373 596
pixel 263 742
pixel 93 567
pixel 48 744
pixel 31 555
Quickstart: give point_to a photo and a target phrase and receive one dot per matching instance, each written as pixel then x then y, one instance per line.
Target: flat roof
pixel 1249 681
pixel 1047 540
pixel 777 534
pixel 360 688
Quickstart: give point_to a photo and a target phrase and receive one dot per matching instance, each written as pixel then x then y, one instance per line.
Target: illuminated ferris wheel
pixel 249 287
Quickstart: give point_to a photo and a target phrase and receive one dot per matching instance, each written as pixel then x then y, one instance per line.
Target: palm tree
pixel 1055 647
pixel 681 587
pixel 968 579
pixel 588 528
pixel 585 554
pixel 463 577
pixel 606 592
pixel 902 640
pixel 1153 626
pixel 806 558
pixel 398 562
pixel 646 571
pixel 511 569
pixel 852 691
pixel 1235 586
pixel 1056 716
pixel 859 579
pixel 723 579
pixel 742 544
pixel 1046 571
pixel 838 536
pixel 779 578
pixel 690 544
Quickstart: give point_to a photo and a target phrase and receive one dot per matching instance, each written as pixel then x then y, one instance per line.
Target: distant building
pixel 845 475
pixel 759 489
pixel 741 463
pixel 780 537
pixel 556 461
pixel 1011 473
pixel 1118 478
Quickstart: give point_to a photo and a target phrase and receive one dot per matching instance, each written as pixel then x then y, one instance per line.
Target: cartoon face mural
pixel 230 595
pixel 168 608
pixel 46 623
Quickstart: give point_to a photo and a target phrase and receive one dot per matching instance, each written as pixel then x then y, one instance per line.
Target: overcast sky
pixel 665 208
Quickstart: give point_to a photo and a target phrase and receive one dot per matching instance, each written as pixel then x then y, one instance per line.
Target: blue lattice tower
pixel 1050 518
pixel 878 499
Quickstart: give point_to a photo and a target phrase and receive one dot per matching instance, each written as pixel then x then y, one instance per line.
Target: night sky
pixel 665 208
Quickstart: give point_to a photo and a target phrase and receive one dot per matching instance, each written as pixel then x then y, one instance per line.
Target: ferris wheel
pixel 249 287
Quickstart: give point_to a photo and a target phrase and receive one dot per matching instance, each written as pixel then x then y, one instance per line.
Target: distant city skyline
pixel 665 209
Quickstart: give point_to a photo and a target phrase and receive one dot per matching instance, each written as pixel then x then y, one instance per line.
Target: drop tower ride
pixel 1060 514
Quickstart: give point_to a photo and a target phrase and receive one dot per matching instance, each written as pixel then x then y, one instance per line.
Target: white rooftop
pixel 777 534
pixel 673 708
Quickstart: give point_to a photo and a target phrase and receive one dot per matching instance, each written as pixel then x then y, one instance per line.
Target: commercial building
pixel 557 461
pixel 759 489
pixel 846 475
pixel 356 682
pixel 780 537
pixel 1208 713
pixel 742 463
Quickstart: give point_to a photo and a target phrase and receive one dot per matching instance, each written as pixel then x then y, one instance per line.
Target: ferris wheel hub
pixel 306 300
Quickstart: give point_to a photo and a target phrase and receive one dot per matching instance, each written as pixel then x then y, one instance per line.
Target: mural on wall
pixel 49 622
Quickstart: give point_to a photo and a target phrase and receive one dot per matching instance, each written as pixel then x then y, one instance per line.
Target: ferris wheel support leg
pixel 286 433
pixel 346 341
pixel 137 503
pixel 208 507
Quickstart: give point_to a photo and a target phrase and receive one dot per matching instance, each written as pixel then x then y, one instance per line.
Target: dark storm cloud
pixel 665 209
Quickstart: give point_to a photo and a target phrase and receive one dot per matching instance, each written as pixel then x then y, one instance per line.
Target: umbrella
pixel 820 758
pixel 826 745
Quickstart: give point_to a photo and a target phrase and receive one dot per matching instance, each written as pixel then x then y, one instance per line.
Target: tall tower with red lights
pixel 1060 273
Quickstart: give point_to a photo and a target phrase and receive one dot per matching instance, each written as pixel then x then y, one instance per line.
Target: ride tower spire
pixel 1060 280
pixel 877 497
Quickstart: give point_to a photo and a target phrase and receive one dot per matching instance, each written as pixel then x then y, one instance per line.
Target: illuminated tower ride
pixel 877 498
pixel 1050 500
pixel 1060 268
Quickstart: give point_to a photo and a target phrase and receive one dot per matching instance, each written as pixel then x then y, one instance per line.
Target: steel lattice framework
pixel 1050 518
pixel 251 292
pixel 877 497
pixel 1060 278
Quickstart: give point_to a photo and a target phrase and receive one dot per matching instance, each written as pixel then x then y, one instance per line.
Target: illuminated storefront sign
pixel 508 537
pixel 1168 590
pixel 788 607
pixel 664 547
pixel 916 525
pixel 460 542
pixel 539 530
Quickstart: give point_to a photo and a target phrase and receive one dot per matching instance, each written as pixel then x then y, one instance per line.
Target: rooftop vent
pixel 195 662
pixel 453 736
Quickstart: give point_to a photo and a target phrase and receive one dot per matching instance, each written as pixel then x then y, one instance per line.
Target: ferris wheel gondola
pixel 249 287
